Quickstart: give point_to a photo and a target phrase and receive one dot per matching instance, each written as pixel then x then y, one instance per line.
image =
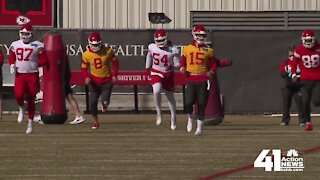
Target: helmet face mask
pixel 200 38
pixel 25 33
pixel 308 39
pixel 160 38
pixel 199 34
pixel 94 41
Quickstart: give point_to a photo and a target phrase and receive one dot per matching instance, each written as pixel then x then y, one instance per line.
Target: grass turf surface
pixel 132 147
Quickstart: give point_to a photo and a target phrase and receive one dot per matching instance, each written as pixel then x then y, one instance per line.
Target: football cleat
pixel 173 124
pixel 284 124
pixel 95 125
pixel 308 127
pixel 159 120
pixel 37 119
pixel 29 127
pixel 21 114
pixel 199 127
pixel 189 125
pixel 104 107
pixel 78 120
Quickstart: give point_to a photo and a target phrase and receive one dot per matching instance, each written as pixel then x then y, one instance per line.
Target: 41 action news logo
pixel 277 162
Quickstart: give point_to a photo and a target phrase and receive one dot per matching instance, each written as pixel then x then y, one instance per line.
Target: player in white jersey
pixel 24 58
pixel 161 59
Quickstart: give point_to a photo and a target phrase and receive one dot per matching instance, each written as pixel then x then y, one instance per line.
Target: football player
pixel 25 56
pixel 307 56
pixel 161 59
pixel 199 64
pixel 101 78
pixel 290 90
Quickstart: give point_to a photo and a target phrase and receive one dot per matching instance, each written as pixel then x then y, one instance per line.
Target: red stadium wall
pixel 39 12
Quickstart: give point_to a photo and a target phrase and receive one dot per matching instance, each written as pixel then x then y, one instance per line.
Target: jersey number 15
pixel 196 58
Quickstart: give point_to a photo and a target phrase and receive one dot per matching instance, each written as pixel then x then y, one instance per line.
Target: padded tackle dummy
pixel 53 109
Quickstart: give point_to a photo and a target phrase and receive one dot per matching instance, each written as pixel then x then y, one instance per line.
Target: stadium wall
pixel 251 85
pixel 133 14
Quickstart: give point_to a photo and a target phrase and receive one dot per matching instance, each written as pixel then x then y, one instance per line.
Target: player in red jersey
pixel 25 57
pixel 290 90
pixel 307 56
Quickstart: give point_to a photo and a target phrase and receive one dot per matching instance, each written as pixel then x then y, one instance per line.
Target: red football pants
pixel 27 85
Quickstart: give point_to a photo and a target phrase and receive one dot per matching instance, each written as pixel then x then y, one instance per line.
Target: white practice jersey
pixel 162 60
pixel 26 55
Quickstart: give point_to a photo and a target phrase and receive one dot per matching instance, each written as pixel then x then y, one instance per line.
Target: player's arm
pixel 176 58
pixel 212 66
pixel 115 64
pixel 183 61
pixel 176 61
pixel 294 67
pixel 12 60
pixel 84 66
pixel 183 64
pixel 283 70
pixel 223 62
pixel 1 58
pixel 148 60
pixel 295 63
pixel 12 56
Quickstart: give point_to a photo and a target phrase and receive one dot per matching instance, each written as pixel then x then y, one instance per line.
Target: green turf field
pixel 132 147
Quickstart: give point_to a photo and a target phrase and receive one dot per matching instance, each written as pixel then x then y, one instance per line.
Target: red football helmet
pixel 308 38
pixel 199 34
pixel 94 41
pixel 160 38
pixel 25 33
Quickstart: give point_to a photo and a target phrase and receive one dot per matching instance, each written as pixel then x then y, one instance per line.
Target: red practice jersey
pixel 286 67
pixel 308 61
